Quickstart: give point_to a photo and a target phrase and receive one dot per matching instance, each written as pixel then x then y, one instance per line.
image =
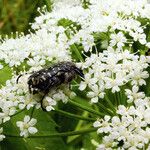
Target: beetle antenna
pixel 79 72
pixel 19 78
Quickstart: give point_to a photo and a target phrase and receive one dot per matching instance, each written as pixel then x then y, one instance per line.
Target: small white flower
pixel 101 147
pixel 50 103
pixel 130 127
pixel 118 39
pixel 96 124
pixel 26 126
pixel 134 94
pixel 36 62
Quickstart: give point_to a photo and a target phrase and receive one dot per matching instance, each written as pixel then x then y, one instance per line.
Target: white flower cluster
pixel 37 49
pixel 26 126
pixel 56 95
pixel 15 97
pixel 116 25
pixel 100 16
pixel 129 130
pixel 111 70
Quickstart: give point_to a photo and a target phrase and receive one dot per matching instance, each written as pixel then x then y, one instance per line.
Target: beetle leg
pixel 41 101
pixel 46 91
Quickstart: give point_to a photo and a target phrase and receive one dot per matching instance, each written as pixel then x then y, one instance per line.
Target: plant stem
pixel 71 133
pixel 120 95
pixel 32 111
pixel 86 108
pixel 18 112
pixel 48 5
pixel 70 115
pixel 78 127
pixel 105 109
pixel 118 98
pixel 123 99
pixel 110 103
pixel 80 123
pixel 74 48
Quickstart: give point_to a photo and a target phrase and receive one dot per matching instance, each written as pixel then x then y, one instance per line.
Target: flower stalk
pixel 106 110
pixel 71 133
pixel 86 108
pixel 75 49
pixel 70 115
pixel 110 103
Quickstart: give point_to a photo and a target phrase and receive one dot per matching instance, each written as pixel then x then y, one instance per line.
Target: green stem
pixel 81 122
pixel 32 111
pixel 18 112
pixel 86 108
pixel 123 99
pixel 105 109
pixel 78 127
pixel 118 98
pixel 110 104
pixel 48 5
pixel 70 115
pixel 74 48
pixel 120 95
pixel 71 133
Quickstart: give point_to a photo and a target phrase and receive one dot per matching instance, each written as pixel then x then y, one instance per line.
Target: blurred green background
pixel 15 15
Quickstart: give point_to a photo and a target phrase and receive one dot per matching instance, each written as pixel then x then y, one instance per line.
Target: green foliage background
pixel 15 15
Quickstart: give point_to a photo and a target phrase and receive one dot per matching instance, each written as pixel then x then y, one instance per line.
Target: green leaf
pixel 5 74
pixel 16 143
pixel 45 125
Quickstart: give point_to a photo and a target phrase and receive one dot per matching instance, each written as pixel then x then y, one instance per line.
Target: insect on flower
pixel 44 80
pixel 120 143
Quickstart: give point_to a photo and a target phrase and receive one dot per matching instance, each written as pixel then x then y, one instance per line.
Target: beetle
pixel 120 143
pixel 46 79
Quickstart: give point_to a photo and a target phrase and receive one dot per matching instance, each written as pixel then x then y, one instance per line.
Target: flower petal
pixel 32 130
